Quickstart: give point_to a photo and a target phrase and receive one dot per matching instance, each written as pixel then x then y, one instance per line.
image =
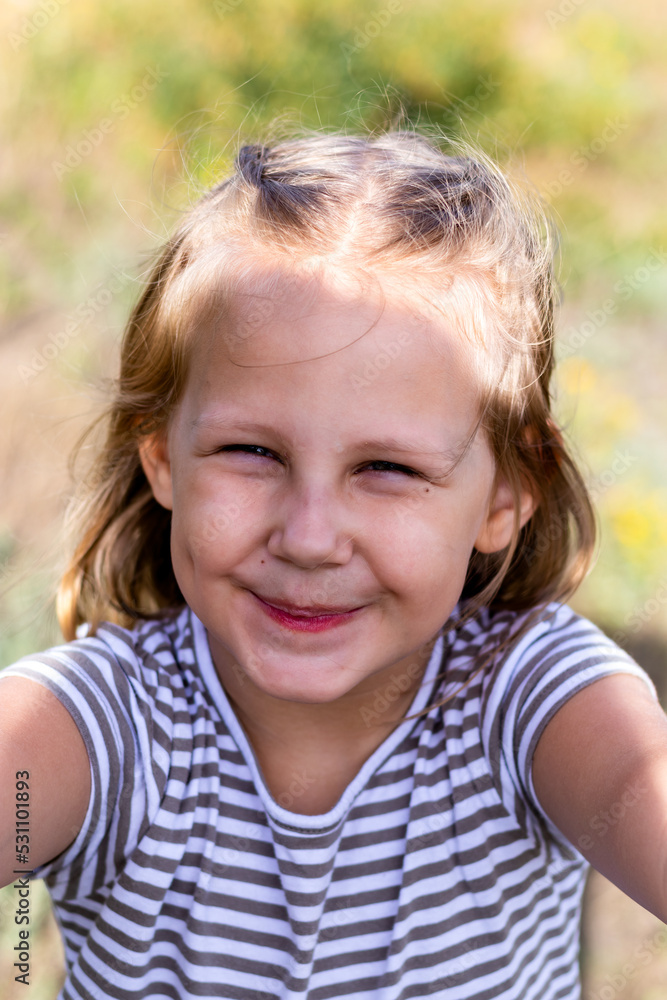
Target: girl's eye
pixel 250 449
pixel 377 466
pixel 389 467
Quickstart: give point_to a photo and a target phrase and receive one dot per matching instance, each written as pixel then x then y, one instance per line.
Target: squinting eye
pixel 250 449
pixel 388 467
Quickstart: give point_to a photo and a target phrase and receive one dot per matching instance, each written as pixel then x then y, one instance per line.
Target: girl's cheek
pixel 432 520
pixel 221 519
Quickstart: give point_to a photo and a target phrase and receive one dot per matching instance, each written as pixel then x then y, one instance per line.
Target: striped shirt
pixel 437 873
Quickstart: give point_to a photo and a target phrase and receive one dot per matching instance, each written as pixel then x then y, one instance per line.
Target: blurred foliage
pixel 116 115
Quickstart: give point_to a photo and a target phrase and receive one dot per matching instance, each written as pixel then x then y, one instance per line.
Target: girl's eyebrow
pixel 415 447
pixel 219 422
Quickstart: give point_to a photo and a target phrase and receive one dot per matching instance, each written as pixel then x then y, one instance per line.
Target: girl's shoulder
pixel 519 639
pixel 507 675
pixel 151 651
pixel 526 664
pixel 133 695
pixel 118 667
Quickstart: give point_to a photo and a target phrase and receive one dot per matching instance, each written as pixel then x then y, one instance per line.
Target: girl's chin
pixel 302 683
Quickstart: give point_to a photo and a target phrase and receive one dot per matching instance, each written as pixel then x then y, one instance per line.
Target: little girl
pixel 326 730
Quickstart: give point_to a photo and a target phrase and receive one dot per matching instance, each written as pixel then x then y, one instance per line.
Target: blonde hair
pixel 390 204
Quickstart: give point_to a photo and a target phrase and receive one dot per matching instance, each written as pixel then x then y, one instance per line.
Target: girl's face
pixel 324 504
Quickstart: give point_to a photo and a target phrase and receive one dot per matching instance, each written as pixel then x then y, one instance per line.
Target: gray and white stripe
pixel 436 874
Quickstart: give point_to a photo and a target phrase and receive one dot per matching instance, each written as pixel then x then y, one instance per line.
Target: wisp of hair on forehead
pixel 405 210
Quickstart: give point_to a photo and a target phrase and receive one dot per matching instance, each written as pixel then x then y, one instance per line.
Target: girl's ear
pixel 496 531
pixel 155 461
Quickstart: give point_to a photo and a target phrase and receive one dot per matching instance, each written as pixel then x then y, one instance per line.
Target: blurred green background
pixel 114 117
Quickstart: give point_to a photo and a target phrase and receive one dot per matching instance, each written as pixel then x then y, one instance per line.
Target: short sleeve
pixel 552 661
pixel 94 684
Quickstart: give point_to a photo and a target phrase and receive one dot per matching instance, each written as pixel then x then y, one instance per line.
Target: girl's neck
pixel 309 753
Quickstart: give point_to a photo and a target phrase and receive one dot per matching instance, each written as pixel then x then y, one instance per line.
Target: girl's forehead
pixel 332 351
pixel 275 315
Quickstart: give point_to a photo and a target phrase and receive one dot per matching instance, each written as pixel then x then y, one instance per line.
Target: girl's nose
pixel 308 530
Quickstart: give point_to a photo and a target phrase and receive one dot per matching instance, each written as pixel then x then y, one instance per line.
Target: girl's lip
pixel 314 610
pixel 311 619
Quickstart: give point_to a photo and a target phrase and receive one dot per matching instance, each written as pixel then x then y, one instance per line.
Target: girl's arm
pixel 600 773
pixel 38 738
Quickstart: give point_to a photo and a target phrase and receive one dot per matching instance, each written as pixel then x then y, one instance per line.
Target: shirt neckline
pixel 298 822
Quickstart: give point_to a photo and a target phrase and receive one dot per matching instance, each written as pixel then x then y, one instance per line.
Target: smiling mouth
pixel 312 611
pixel 313 618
